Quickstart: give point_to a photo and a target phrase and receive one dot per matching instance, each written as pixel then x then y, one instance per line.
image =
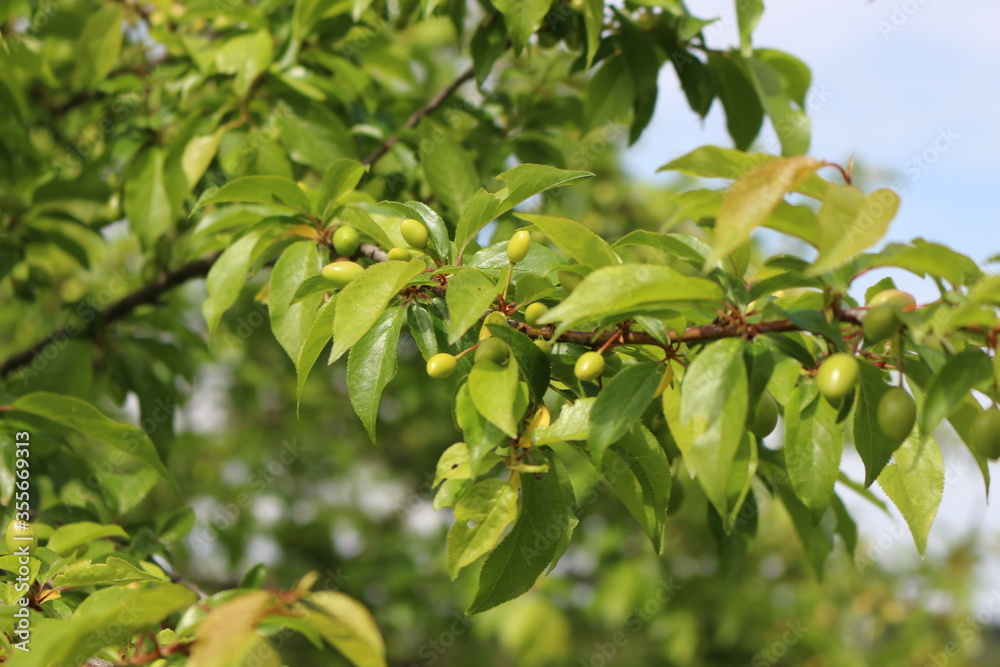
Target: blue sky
pixel 897 76
pixel 890 79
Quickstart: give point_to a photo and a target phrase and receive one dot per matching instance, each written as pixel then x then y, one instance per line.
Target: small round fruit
pixel 20 534
pixel 676 497
pixel 837 377
pixel 399 255
pixel 767 416
pixel 496 318
pixel 346 241
pixel 518 246
pixel 569 279
pixel 441 365
pixel 986 433
pixel 880 322
pixel 414 233
pixel 897 413
pixel 534 312
pixel 339 274
pixel 893 297
pixel 492 349
pixel 589 365
pixel 544 345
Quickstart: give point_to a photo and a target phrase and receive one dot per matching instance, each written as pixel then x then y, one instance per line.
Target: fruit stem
pixel 465 352
pixel 506 286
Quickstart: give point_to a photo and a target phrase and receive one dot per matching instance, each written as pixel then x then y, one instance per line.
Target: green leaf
pixel 470 294
pixel 643 63
pixel 593 23
pixel 609 96
pixel 716 162
pixel 436 229
pixel 341 177
pixel 753 198
pixel 915 484
pixel 112 571
pixel 795 74
pixel 874 447
pixel 523 18
pixel 371 365
pixel 583 245
pixel 814 444
pixel 72 535
pixel 528 180
pixel 99 46
pixel 744 111
pixel 453 464
pixel 512 568
pixel 949 387
pixel 617 291
pixel 696 81
pixel 127 610
pixel 790 122
pixel 291 323
pixel 198 154
pixel 748 13
pixel 319 335
pixel 481 209
pixel 639 472
pixel 481 437
pixel 488 43
pixel 850 222
pixel 816 540
pixel 146 202
pixel 89 421
pixel 227 635
pixel 260 190
pixel 572 424
pixel 247 56
pixel 360 304
pixel 347 625
pixel 533 362
pixel 450 171
pixel 311 286
pixel 228 275
pixel 707 416
pixel 620 404
pixel 493 389
pixel 923 258
pixel 481 515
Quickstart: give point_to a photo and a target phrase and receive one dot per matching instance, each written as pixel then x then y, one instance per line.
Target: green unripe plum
pixel 399 255
pixel 339 274
pixel 589 365
pixel 569 279
pixel 893 297
pixel 986 433
pixel 496 317
pixel 441 365
pixel 880 323
pixel 897 413
pixel 346 241
pixel 20 534
pixel 518 246
pixel 414 233
pixel 766 417
pixel 676 498
pixel 492 349
pixel 534 312
pixel 837 377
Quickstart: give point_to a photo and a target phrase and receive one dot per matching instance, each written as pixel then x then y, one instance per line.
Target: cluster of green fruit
pixel 346 242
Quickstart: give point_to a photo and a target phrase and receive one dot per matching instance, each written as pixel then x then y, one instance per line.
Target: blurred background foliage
pixel 277 493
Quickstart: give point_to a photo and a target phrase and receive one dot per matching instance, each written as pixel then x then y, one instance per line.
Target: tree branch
pixel 199 268
pixel 414 119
